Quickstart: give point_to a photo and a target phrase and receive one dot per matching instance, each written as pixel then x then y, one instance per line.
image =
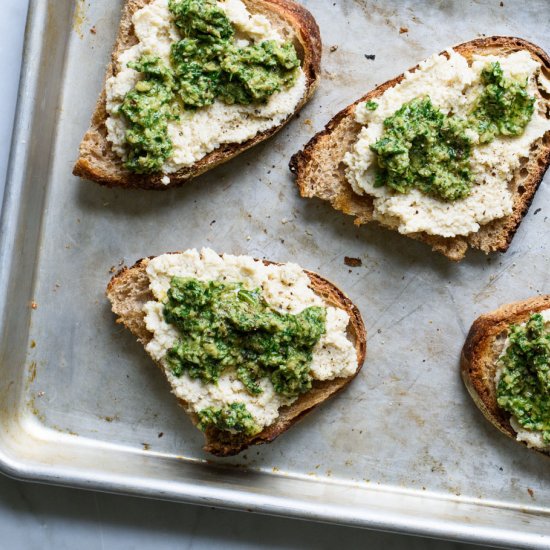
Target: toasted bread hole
pixel 524 172
pixel 521 188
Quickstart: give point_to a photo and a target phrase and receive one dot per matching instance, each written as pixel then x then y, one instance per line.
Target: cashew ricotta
pixel 452 85
pixel 285 287
pixel 199 132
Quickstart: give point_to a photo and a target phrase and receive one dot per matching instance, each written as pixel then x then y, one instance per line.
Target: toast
pixel 129 291
pixel 98 162
pixel 483 345
pixel 319 171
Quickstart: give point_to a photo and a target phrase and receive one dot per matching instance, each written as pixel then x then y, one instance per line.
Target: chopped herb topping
pixel 423 148
pixel 504 107
pixel 426 149
pixel 235 418
pixel 223 325
pixel 524 386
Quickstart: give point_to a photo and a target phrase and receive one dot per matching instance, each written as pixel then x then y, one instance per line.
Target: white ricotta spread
pixel 197 133
pixel 532 438
pixel 452 85
pixel 285 287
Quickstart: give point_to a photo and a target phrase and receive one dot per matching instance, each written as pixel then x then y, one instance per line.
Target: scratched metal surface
pixel 403 448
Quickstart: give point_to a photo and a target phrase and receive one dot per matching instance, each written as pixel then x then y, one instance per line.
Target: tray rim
pixel 217 496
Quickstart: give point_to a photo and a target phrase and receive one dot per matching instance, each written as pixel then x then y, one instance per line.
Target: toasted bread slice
pixel 483 346
pixel 320 173
pixel 128 292
pixel 98 162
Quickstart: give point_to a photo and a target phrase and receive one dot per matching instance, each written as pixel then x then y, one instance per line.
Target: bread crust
pixel 128 291
pixel 98 162
pixel 326 179
pixel 478 361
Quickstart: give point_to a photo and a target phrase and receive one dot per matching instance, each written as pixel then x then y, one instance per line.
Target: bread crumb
pixel 284 221
pixel 403 30
pixel 93 30
pixel 34 305
pixel 353 262
pixel 333 49
pixel 248 237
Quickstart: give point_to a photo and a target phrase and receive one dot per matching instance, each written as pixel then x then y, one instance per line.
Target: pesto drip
pixel 205 65
pixel 426 149
pixel 225 326
pixel 524 386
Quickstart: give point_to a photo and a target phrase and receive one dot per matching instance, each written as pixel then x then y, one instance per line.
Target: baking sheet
pixel 403 448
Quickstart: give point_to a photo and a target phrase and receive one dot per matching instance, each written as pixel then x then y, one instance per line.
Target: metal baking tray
pixel 403 448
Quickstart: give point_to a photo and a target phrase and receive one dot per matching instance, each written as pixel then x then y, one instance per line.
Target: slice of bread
pixel 128 292
pixel 483 346
pixel 320 172
pixel 98 162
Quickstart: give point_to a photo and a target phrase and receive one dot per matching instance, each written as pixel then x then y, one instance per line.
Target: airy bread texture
pixel 98 162
pixel 319 168
pixel 129 291
pixel 483 346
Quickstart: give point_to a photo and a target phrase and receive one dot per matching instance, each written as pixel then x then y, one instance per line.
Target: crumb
pixel 33 344
pixel 284 221
pixel 502 4
pixel 40 394
pixel 537 211
pixel 333 48
pixel 160 434
pixel 531 492
pixel 93 30
pixel 34 305
pixel 212 223
pixel 353 262
pixel 307 121
pixel 370 56
pixel 113 269
pixel 248 237
pixel 146 446
pixel 403 30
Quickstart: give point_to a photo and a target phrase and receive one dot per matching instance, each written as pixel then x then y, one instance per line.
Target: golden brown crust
pixel 98 162
pixel 320 174
pixel 128 290
pixel 481 349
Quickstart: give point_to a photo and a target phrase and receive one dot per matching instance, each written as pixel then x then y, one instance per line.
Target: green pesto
pixel 234 418
pixel 504 107
pixel 205 65
pixel 223 326
pixel 148 108
pixel 371 105
pixel 524 386
pixel 423 148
